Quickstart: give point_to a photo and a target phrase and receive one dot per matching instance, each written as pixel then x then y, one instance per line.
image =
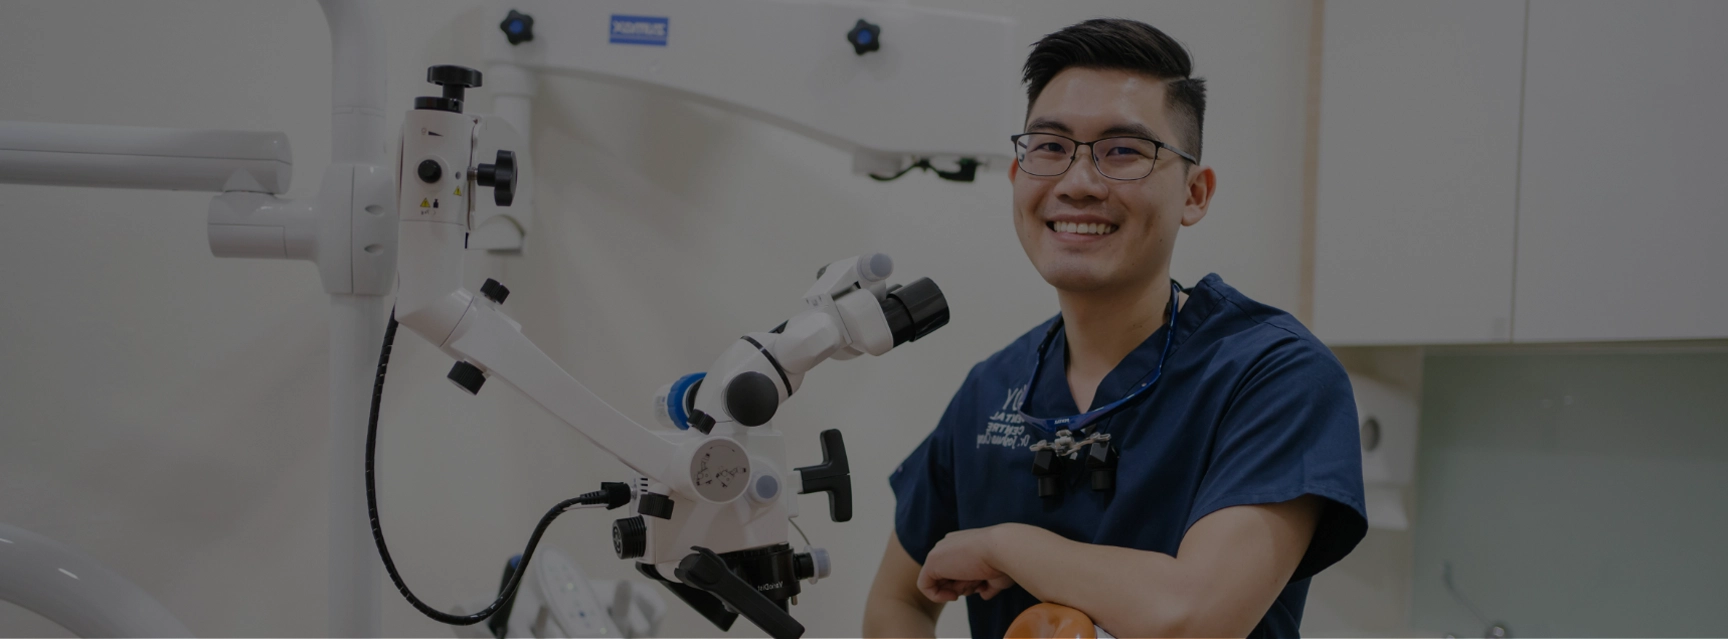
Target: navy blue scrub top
pixel 1251 409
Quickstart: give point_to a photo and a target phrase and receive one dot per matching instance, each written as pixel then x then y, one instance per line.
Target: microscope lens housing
pixel 915 310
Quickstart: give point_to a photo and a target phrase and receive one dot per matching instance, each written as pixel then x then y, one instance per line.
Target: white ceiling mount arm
pixel 357 130
pixel 891 84
pixel 136 157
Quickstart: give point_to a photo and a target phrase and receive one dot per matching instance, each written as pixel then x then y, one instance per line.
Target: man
pixel 1231 473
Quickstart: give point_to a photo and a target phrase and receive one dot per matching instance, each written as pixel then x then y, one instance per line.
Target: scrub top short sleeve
pixel 1290 432
pixel 923 484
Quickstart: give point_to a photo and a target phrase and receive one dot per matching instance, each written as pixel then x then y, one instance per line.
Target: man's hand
pixel 961 565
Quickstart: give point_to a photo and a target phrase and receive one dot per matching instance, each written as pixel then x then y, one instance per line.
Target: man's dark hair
pixel 1127 45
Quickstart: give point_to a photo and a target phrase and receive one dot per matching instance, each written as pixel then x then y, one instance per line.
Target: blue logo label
pixel 647 30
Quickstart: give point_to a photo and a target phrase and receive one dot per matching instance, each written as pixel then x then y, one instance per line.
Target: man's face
pixel 1138 219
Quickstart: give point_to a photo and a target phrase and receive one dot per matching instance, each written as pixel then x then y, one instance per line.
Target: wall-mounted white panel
pixel 1623 220
pixel 1417 175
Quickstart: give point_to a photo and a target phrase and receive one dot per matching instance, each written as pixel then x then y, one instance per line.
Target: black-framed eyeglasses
pixel 1117 158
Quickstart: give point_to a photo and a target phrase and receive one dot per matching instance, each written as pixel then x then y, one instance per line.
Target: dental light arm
pixel 714 496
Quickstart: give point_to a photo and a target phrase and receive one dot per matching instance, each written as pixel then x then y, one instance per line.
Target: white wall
pixel 164 410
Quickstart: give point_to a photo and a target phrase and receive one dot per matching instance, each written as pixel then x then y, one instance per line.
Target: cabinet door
pixel 1418 171
pixel 1623 214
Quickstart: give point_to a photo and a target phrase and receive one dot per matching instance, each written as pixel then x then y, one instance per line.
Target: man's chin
pixel 1075 280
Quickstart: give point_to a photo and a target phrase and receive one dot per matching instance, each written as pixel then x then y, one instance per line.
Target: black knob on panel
pixel 494 291
pixel 455 80
pixel 865 37
pixel 468 377
pixel 630 537
pixel 501 177
pixel 518 27
pixel 429 171
pixel 451 76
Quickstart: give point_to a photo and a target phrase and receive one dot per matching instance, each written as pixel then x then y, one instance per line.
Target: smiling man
pixel 1169 461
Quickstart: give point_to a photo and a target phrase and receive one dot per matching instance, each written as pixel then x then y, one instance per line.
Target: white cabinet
pixel 1623 213
pixel 1417 167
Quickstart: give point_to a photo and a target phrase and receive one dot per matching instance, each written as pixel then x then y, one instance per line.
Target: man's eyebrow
pixel 1136 130
pixel 1047 124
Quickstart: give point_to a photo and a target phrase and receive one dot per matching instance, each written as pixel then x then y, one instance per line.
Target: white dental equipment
pixel 892 84
pixel 714 499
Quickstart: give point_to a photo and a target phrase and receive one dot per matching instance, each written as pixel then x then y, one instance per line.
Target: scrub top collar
pixel 1053 396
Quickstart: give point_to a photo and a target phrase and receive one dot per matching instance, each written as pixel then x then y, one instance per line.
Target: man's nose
pixel 1082 180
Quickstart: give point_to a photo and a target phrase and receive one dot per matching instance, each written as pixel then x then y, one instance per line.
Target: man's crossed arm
pixel 1229 569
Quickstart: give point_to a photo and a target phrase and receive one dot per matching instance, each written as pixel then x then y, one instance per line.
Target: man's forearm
pixel 1128 592
pixel 891 617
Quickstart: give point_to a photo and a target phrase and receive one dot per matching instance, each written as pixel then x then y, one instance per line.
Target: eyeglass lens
pixel 1044 154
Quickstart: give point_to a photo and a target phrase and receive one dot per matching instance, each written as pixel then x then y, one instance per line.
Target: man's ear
pixel 1202 184
pixel 1013 169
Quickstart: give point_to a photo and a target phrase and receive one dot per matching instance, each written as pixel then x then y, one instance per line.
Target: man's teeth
pixel 1083 228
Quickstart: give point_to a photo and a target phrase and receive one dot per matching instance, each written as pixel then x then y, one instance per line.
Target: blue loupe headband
pixel 1088 418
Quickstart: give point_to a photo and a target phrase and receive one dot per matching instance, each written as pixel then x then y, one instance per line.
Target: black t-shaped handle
pixel 833 476
pixel 707 571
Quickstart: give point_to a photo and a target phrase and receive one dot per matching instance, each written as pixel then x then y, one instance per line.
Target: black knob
pixel 455 80
pixel 451 76
pixel 501 177
pixel 494 291
pixel 752 398
pixel 518 27
pixel 865 37
pixel 429 171
pixel 630 537
pixel 468 377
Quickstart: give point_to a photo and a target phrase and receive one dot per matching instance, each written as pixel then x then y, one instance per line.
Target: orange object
pixel 1050 621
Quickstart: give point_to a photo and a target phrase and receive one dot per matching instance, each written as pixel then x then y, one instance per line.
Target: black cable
pixel 611 495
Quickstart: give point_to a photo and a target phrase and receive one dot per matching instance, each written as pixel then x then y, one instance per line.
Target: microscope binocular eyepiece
pixel 915 310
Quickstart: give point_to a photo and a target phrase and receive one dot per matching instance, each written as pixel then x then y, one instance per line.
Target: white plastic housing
pixel 73 590
pixel 137 157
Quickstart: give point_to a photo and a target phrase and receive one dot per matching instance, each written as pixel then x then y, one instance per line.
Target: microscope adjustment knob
pixel 494 291
pixel 429 171
pixel 467 376
pixel 752 398
pixel 865 37
pixel 630 537
pixel 501 177
pixel 518 27
pixel 450 75
pixel 455 80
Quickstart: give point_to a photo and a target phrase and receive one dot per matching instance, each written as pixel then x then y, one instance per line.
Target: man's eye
pixel 1124 151
pixel 1050 147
